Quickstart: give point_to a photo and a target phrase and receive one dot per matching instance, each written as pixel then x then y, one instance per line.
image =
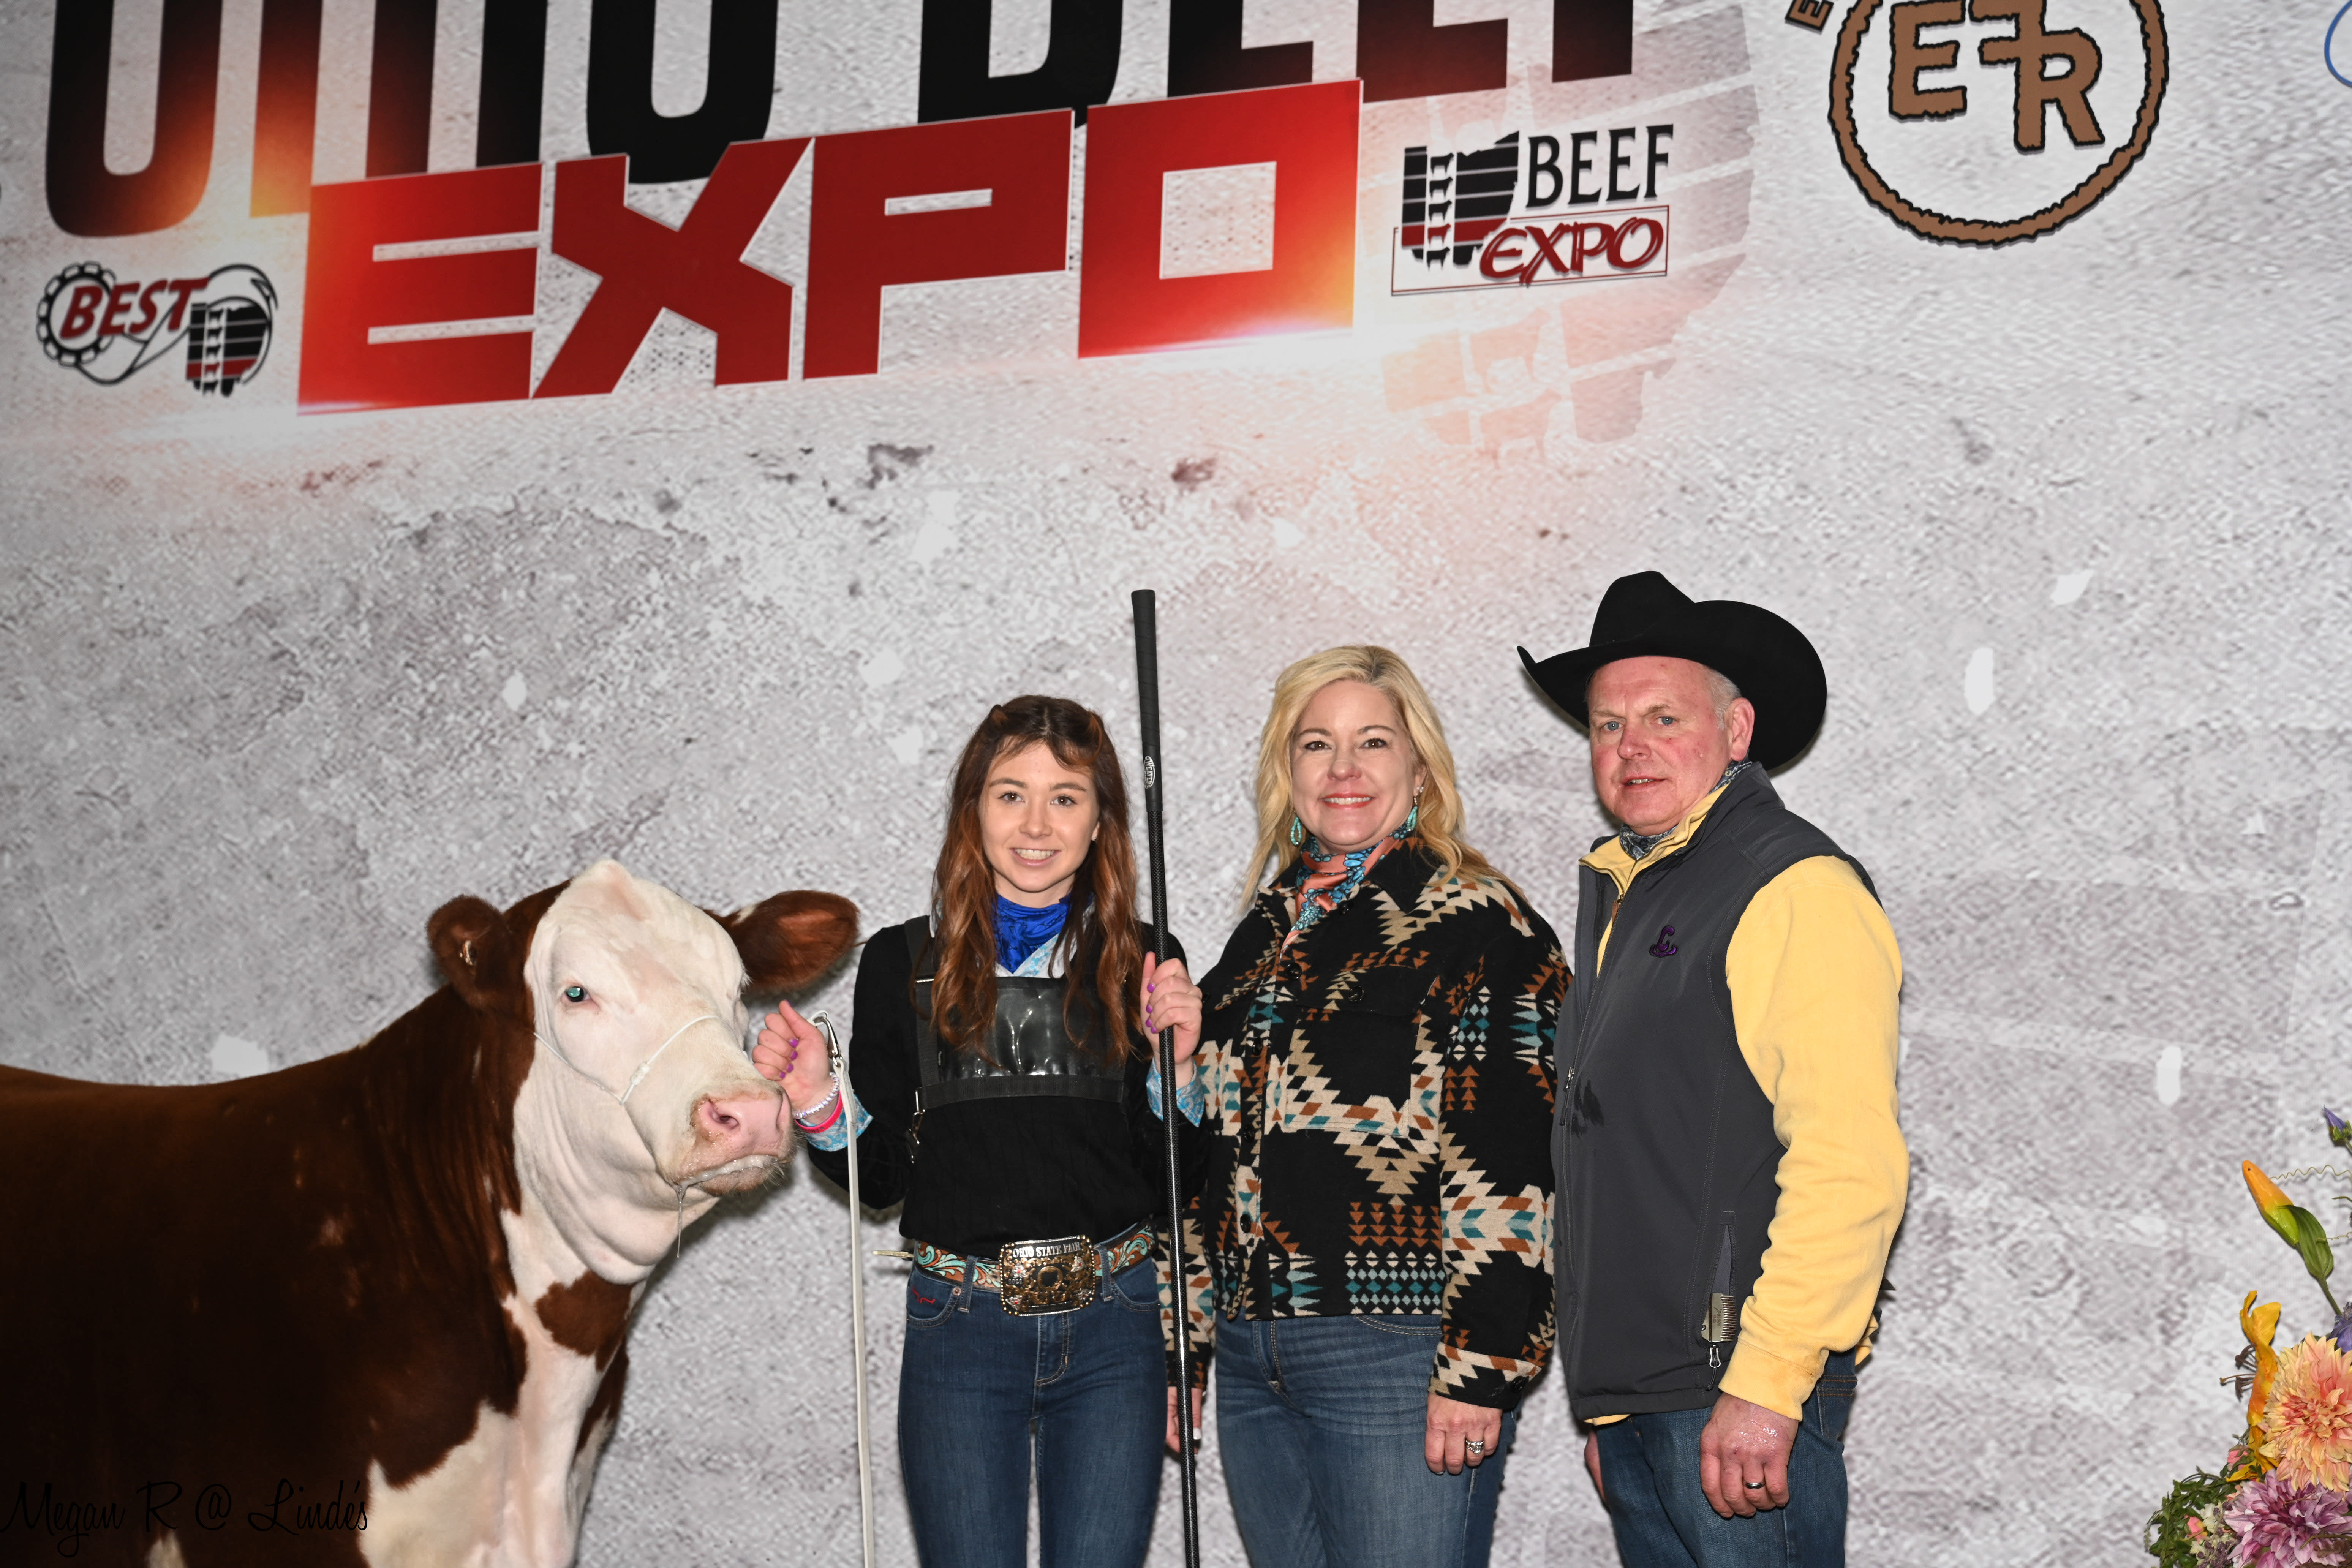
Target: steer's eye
pixel 576 993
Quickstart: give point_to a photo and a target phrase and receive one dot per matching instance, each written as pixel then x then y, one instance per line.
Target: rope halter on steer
pixel 644 1068
pixel 638 1077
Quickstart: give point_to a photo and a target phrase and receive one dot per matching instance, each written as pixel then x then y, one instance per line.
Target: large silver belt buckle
pixel 1043 1277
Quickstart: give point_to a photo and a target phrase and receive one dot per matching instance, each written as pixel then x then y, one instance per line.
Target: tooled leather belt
pixel 1035 1278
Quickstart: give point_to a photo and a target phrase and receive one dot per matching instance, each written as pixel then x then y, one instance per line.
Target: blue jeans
pixel 1649 1473
pixel 1321 1422
pixel 979 1390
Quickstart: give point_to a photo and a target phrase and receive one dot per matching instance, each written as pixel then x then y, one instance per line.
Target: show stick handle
pixel 1147 699
pixel 1146 682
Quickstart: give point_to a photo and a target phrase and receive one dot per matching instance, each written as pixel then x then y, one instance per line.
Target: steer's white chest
pixel 510 1496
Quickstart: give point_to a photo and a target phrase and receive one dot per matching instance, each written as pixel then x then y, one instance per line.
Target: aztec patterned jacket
pixel 1378 1128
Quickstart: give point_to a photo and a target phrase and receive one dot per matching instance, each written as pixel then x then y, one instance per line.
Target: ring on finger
pixel 1752 1485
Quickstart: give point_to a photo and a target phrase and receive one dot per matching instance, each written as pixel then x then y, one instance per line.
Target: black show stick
pixel 1147 698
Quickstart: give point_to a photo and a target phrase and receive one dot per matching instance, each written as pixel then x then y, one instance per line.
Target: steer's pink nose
pixel 737 1126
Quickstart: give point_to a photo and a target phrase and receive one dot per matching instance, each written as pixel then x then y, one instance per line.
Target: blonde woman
pixel 1377 1046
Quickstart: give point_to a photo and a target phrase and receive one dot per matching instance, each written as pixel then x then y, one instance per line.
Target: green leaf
pixel 2311 1241
pixel 2166 1537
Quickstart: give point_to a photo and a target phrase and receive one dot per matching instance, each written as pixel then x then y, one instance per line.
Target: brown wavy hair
pixel 1098 941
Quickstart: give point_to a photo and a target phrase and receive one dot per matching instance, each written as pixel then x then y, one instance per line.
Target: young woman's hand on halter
pixel 792 1051
pixel 1171 1001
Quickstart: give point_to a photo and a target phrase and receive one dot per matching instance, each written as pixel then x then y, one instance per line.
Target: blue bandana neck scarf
pixel 1327 880
pixel 1639 845
pixel 1024 933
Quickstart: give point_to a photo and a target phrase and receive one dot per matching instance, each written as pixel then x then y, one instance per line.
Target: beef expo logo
pixel 1984 121
pixel 110 330
pixel 1493 217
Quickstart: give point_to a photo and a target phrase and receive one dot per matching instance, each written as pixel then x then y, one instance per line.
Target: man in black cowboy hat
pixel 1730 1172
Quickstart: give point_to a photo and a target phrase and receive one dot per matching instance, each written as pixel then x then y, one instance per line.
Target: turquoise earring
pixel 1298 832
pixel 1413 817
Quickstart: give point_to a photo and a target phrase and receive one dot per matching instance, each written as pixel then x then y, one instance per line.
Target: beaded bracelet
pixel 832 1097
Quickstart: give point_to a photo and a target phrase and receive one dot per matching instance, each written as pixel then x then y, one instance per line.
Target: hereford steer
pixel 372 1308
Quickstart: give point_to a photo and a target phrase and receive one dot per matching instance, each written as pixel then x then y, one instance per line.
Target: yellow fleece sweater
pixel 1814 975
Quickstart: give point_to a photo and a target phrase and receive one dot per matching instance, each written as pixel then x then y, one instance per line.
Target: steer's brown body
pixel 234 1316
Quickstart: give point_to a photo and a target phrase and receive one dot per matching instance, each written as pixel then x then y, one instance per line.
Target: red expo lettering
pixel 1586 241
pixel 857 248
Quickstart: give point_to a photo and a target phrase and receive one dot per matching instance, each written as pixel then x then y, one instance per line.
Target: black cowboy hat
pixel 1770 660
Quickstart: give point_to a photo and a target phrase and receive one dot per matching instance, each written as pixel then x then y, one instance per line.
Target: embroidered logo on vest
pixel 1663 947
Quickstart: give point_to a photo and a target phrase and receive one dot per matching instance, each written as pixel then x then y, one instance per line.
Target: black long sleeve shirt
pixel 992 1171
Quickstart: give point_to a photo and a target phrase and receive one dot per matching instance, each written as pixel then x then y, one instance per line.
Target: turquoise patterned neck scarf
pixel 1326 880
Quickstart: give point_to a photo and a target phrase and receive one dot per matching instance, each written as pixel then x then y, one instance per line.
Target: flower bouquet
pixel 2279 1500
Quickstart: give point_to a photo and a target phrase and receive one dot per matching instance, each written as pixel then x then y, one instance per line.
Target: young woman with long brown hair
pixel 1007 1095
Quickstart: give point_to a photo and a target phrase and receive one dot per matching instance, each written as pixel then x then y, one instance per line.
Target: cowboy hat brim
pixel 1772 663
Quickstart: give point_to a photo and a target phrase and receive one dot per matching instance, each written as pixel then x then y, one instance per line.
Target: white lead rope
pixel 848 1113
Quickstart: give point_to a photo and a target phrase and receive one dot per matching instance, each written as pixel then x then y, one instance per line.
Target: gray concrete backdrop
pixel 2066 520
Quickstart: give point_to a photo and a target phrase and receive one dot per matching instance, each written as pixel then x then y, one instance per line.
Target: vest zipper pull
pixel 1721 1326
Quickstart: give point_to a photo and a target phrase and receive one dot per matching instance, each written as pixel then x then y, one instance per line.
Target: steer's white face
pixel 640 992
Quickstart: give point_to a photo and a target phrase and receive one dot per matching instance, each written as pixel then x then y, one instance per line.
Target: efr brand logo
pixel 1984 121
pixel 1492 217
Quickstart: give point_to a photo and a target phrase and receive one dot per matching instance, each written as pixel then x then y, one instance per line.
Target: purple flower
pixel 2342 1332
pixel 2339 1132
pixel 2283 1526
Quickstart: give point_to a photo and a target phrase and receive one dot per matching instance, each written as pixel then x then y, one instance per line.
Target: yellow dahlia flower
pixel 2307 1422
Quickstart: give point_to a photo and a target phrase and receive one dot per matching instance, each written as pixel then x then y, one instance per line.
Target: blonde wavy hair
pixel 1440 829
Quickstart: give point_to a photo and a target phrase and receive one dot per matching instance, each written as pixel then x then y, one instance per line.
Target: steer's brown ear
pixel 471 940
pixel 789 939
